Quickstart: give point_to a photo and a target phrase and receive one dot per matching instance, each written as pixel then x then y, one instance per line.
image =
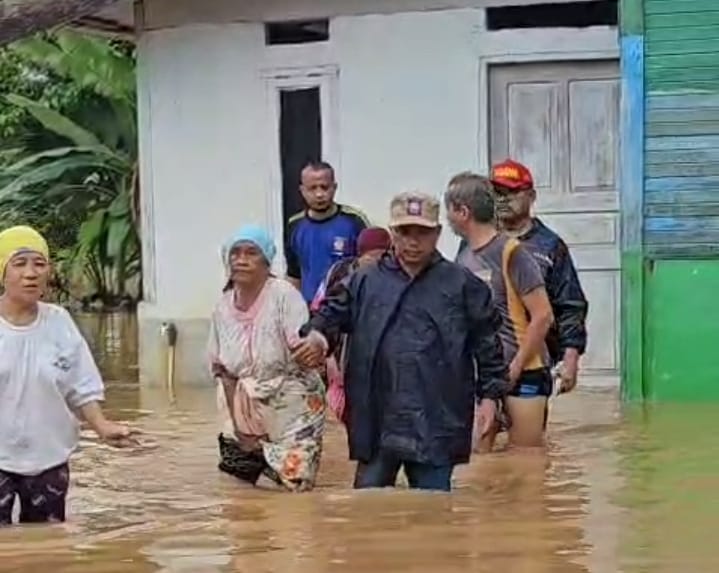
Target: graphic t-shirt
pixel 313 246
pixel 525 276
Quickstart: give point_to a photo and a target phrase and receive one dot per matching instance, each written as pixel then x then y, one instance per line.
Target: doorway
pixel 302 118
pixel 561 119
pixel 300 142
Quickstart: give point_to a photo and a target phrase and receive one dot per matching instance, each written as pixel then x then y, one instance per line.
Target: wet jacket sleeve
pixel 492 379
pixel 568 301
pixel 334 316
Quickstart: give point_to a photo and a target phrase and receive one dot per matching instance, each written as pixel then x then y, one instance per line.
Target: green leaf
pixel 118 232
pixel 92 230
pixel 58 123
pixel 120 206
pixel 25 162
pixel 50 172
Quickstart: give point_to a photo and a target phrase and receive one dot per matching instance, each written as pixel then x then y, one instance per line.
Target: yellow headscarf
pixel 18 239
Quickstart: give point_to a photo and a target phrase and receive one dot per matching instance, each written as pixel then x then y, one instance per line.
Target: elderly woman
pixel 48 379
pixel 273 410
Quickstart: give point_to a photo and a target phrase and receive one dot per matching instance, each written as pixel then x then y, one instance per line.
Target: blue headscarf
pixel 254 234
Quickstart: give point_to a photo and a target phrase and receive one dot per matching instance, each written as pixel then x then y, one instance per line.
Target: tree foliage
pixel 69 156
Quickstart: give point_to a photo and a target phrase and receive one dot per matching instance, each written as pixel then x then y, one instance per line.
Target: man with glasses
pixel 514 198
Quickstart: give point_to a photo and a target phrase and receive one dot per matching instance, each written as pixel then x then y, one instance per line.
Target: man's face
pixel 318 188
pixel 513 205
pixel 458 217
pixel 414 244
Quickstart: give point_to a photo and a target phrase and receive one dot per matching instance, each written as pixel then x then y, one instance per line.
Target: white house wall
pixel 409 99
pixel 170 13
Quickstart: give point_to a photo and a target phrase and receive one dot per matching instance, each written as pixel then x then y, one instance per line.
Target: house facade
pixel 397 94
pixel 670 198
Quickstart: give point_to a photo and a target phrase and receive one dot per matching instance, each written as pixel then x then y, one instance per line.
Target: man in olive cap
pixel 424 350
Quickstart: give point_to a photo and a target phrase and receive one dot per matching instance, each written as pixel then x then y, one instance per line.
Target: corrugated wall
pixel 681 168
pixel 670 198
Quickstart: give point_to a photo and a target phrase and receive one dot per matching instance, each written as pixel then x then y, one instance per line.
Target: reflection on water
pixel 629 491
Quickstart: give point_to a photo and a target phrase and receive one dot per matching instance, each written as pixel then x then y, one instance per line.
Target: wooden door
pixel 561 119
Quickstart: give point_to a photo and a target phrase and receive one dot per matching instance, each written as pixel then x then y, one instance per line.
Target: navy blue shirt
pixel 313 246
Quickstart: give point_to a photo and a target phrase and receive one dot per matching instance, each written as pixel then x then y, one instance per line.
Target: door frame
pixel 278 79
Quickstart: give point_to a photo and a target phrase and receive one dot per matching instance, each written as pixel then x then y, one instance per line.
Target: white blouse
pixel 46 372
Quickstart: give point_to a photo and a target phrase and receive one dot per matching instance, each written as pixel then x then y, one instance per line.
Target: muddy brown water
pixel 619 489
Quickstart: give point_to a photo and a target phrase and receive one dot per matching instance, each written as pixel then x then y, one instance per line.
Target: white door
pixel 561 119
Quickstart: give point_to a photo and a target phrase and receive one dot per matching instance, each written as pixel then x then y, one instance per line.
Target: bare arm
pixel 540 320
pixel 112 432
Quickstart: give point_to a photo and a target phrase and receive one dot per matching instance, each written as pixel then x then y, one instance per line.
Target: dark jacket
pixel 563 289
pixel 420 352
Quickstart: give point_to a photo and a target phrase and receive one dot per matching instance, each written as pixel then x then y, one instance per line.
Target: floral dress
pixel 274 397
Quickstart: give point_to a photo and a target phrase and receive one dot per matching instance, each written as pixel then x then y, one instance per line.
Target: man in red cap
pixel 515 196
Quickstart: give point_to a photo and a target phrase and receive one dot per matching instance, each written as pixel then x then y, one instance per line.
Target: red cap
pixel 373 238
pixel 512 175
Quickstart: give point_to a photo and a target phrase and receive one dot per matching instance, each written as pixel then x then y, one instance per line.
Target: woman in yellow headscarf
pixel 47 378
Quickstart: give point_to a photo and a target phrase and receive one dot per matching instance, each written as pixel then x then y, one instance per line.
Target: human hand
pixel 310 351
pixel 117 435
pixel 568 372
pixel 515 371
pixel 485 417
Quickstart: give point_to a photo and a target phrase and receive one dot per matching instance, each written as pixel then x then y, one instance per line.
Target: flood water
pixel 629 490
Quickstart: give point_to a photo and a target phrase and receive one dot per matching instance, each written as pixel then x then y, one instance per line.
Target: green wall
pixel 670 199
pixel 682 330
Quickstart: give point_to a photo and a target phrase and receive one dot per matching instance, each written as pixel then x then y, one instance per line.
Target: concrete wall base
pixel 190 354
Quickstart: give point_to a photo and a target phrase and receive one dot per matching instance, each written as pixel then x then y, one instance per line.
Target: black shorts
pixel 533 384
pixel 42 496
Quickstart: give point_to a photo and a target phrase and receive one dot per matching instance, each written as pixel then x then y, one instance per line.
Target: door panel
pixel 593 112
pixel 561 120
pixel 602 291
pixel 561 117
pixel 532 114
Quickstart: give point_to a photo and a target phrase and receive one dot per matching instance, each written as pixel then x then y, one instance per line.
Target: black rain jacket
pixel 421 351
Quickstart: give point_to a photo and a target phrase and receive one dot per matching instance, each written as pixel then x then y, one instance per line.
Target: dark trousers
pixel 382 472
pixel 42 497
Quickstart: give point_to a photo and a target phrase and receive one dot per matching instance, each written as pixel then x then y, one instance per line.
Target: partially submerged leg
pixel 528 417
pixel 42 497
pixel 8 491
pixel 527 408
pixel 428 477
pixel 379 472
